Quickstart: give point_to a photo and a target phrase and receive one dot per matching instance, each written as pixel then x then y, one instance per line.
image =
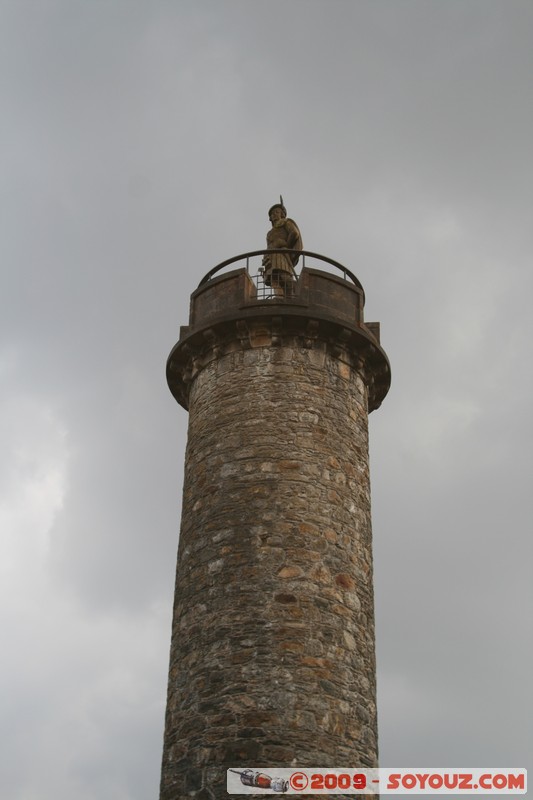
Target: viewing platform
pixel 234 307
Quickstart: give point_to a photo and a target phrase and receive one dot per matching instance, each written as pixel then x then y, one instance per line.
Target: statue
pixel 279 271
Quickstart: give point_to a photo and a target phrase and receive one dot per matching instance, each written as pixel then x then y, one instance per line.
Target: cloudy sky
pixel 141 144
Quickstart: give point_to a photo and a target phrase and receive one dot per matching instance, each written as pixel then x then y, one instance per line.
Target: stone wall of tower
pixel 272 657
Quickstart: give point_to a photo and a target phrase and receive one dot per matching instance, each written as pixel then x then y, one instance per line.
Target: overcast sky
pixel 141 144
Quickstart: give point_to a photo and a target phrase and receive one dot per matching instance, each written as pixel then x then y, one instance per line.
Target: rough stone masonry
pixel 272 659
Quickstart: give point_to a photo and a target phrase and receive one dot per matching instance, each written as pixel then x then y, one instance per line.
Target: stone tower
pixel 272 659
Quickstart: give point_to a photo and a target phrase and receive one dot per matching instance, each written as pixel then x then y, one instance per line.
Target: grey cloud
pixel 144 144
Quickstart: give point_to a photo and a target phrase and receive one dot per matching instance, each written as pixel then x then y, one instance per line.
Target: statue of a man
pixel 279 267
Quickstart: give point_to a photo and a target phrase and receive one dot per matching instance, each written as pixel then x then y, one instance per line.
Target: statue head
pixel 282 209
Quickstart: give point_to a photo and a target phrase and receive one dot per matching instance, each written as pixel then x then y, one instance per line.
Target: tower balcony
pixel 323 302
pixel 332 287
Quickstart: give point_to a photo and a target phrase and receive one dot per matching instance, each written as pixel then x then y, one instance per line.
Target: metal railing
pixel 258 278
pixel 277 286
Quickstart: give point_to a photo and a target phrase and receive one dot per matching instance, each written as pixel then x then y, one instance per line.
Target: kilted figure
pixel 279 267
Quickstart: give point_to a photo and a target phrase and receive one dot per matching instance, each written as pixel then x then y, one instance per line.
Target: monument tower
pixel 272 660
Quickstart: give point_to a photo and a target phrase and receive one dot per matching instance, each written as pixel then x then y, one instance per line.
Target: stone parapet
pixel 325 312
